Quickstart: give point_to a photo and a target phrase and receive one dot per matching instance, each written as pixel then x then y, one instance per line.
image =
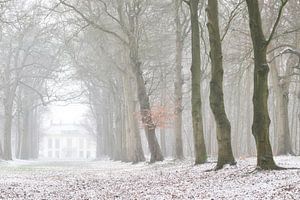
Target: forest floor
pixel 164 180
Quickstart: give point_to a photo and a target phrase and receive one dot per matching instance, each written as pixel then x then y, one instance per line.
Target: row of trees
pixel 31 53
pixel 132 56
pixel 132 35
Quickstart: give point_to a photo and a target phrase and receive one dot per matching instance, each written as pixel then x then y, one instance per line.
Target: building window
pixel 81 143
pixel 57 143
pixel 50 154
pixel 69 143
pixel 57 154
pixel 88 154
pixel 81 154
pixel 69 154
pixel 49 143
pixel 70 131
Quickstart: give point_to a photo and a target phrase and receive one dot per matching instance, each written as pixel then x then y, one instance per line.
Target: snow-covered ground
pixel 165 180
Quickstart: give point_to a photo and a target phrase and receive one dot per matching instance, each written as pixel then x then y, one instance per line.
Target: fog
pixel 147 81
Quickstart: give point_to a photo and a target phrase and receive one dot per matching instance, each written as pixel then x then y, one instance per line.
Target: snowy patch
pixel 163 180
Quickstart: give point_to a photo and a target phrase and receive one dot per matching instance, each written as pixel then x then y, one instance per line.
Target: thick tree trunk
pixel 1 152
pixel 35 135
pixel 99 132
pixel 19 126
pixel 200 149
pixel 26 133
pixel 124 132
pixel 118 127
pixel 133 38
pixel 163 93
pixel 8 103
pixel 261 119
pixel 138 149
pixel 25 137
pixel 133 142
pixel 178 83
pixel 249 142
pixel 281 90
pixel 106 132
pixel 7 153
pixel 8 117
pixel 225 155
pixel 111 131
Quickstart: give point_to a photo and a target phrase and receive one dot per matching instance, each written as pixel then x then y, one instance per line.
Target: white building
pixel 67 141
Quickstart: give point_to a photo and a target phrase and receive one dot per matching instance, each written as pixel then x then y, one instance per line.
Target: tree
pixel 179 80
pixel 199 143
pixel 261 119
pixel 127 21
pixel 281 86
pixel 225 155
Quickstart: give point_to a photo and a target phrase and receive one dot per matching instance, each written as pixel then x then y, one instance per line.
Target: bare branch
pixel 232 15
pixel 35 90
pixel 95 24
pixel 283 3
pixel 187 2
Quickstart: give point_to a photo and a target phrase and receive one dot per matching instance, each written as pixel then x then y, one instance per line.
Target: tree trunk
pixel 178 84
pixel 225 155
pixel 261 119
pixel 19 126
pixel 133 38
pixel 8 103
pixel 26 143
pixel 7 154
pixel 281 90
pixel 145 110
pixel 249 142
pixel 138 149
pixel 118 127
pixel 25 137
pixel 35 135
pixel 200 149
pixel 163 92
pixel 134 150
pixel 1 152
pixel 99 132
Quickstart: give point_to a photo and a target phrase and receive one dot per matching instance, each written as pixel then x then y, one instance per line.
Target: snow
pixel 164 180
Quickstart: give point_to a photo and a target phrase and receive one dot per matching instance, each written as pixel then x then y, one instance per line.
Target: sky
pixel 67 114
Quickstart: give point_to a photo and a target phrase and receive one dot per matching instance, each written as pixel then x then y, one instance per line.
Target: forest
pixel 198 89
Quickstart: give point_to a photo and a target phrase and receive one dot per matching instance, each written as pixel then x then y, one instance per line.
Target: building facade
pixel 67 142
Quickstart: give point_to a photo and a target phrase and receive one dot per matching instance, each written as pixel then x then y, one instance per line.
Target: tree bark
pixel 1 151
pixel 25 137
pixel 35 136
pixel 199 144
pixel 145 110
pixel 281 90
pixel 133 142
pixel 7 153
pixel 261 119
pixel 178 83
pixel 118 129
pixel 248 110
pixel 225 155
pixel 99 132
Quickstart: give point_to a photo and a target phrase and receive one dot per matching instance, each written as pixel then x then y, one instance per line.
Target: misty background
pixel 111 79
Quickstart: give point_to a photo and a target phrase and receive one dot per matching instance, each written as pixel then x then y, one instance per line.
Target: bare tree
pixel 261 120
pixel 199 143
pixel 225 155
